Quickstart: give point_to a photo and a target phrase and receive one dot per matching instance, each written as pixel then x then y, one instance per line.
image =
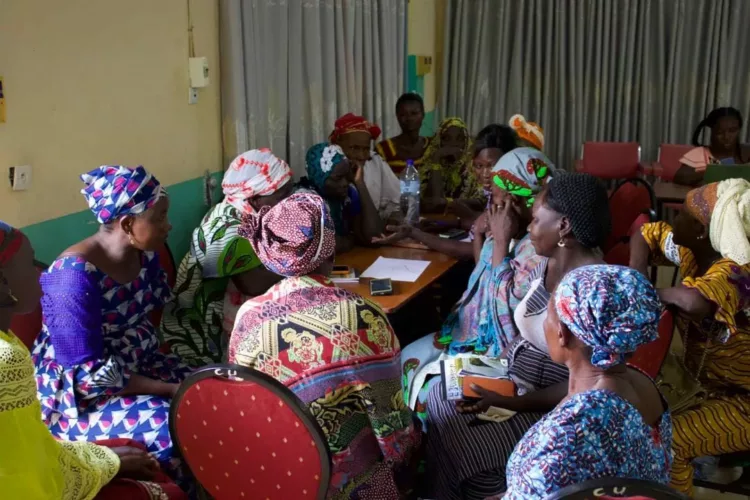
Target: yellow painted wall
pixel 92 82
pixel 425 38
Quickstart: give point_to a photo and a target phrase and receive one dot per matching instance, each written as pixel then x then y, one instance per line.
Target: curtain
pixel 596 70
pixel 290 68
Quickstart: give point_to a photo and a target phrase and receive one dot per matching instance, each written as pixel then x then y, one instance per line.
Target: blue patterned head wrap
pixel 113 191
pixel 612 309
pixel 320 161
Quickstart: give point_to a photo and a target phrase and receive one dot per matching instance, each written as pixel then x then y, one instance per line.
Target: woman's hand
pixel 136 464
pixel 486 399
pixel 359 173
pixel 482 224
pixel 503 222
pixel 399 233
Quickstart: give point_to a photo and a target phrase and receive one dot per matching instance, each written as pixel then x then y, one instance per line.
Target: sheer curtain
pixel 625 70
pixel 290 68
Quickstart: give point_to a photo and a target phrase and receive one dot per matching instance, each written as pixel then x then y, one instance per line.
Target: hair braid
pixel 712 119
pixel 583 200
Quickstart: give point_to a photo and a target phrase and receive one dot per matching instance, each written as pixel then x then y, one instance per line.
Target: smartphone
pixel 340 271
pixel 454 234
pixel 381 287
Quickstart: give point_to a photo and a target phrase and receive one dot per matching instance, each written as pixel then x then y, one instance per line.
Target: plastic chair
pixel 27 326
pixel 668 161
pixel 614 487
pixel 649 357
pixel 245 435
pixel 629 200
pixel 610 160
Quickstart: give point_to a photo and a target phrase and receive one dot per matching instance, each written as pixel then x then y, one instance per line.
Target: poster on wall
pixel 2 102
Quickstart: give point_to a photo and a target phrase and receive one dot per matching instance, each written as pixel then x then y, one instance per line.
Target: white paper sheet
pixel 396 269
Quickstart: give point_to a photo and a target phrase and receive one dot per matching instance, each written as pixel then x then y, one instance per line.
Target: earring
pixel 561 243
pixel 131 240
pixel 701 237
pixel 8 293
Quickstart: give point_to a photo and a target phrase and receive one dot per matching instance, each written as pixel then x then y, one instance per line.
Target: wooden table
pixel 361 258
pixel 669 192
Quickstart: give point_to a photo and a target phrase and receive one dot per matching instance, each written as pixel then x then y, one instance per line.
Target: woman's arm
pixel 433 199
pixel 138 384
pixel 639 253
pixel 457 249
pixel 255 281
pixel 367 225
pixel 689 301
pixel 688 176
pixel 543 400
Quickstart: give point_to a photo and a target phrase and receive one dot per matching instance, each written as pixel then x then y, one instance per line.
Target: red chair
pixel 649 357
pixel 245 435
pixel 629 200
pixel 610 160
pixel 668 161
pixel 27 326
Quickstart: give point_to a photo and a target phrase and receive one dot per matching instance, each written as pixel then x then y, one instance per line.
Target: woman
pixel 446 173
pixel 354 134
pixel 492 142
pixel 334 349
pixel 612 421
pixel 408 145
pixel 221 270
pixel 342 186
pixel 724 147
pixel 570 221
pixel 33 463
pixel 530 134
pixel 709 244
pixel 99 371
pixel 481 323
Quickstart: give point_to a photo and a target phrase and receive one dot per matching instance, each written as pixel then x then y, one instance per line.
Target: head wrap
pixel 10 242
pixel 583 199
pixel 528 131
pixel 522 172
pixel 458 177
pixel 725 208
pixel 254 173
pixel 294 237
pixel 611 309
pixel 113 191
pixel 353 123
pixel 320 161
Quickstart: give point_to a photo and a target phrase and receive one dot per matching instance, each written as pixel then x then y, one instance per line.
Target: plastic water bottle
pixel 410 194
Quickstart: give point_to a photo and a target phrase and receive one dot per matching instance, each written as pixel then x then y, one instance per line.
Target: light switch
pixel 20 177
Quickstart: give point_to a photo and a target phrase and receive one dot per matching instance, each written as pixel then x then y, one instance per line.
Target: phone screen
pixel 340 269
pixel 380 286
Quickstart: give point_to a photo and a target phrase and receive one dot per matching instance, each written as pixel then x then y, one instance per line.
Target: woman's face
pixel 725 134
pixel 23 279
pixel 272 199
pixel 454 137
pixel 686 229
pixel 544 230
pixel 356 146
pixel 337 184
pixel 483 163
pixel 410 116
pixel 150 229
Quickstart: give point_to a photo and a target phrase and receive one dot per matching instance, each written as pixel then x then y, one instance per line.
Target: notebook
pixel 716 173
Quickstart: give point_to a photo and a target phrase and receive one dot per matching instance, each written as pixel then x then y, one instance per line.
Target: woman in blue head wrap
pixel 341 184
pixel 99 370
pixel 612 422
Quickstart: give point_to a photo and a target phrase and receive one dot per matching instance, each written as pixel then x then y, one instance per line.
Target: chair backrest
pixel 669 159
pixel 611 160
pixel 615 487
pixel 245 435
pixel 629 200
pixel 619 253
pixel 166 261
pixel 27 326
pixel 649 357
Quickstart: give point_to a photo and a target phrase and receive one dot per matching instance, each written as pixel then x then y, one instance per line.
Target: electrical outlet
pixel 20 177
pixel 193 96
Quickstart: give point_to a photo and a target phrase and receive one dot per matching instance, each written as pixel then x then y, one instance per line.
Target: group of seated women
pixel 90 404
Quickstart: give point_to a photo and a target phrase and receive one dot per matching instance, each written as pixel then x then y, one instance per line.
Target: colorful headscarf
pixel 113 191
pixel 528 131
pixel 294 237
pixel 10 242
pixel 612 309
pixel 320 161
pixel 254 173
pixel 353 123
pixel 458 177
pixel 725 208
pixel 522 172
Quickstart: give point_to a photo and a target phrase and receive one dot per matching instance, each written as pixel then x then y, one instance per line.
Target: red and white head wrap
pixel 254 173
pixel 353 123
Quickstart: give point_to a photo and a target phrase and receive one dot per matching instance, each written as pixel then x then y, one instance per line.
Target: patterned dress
pixel 590 435
pixel 96 333
pixel 339 355
pixel 718 345
pixel 197 323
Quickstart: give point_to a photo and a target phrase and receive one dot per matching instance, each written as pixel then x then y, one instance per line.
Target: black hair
pixel 496 136
pixel 712 119
pixel 410 97
pixel 582 198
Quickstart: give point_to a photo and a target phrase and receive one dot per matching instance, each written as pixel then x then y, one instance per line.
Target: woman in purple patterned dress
pixel 613 421
pixel 99 371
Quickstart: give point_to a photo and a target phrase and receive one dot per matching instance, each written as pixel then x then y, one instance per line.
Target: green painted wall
pixel 415 84
pixel 186 209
